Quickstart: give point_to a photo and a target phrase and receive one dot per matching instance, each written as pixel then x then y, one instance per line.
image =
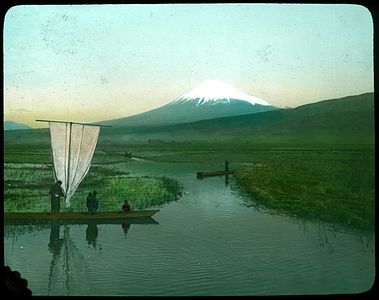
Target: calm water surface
pixel 207 243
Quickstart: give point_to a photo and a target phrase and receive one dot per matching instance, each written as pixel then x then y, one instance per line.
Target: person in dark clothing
pixel 56 192
pixel 95 203
pixel 227 166
pixel 125 207
pixel 91 202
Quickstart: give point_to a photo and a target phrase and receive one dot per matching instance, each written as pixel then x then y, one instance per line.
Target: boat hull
pixel 215 173
pixel 133 217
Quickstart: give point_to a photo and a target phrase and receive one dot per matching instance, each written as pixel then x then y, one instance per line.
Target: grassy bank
pixel 333 187
pixel 26 187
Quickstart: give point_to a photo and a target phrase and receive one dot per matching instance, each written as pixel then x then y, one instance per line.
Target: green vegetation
pixel 333 187
pixel 26 188
pixel 140 192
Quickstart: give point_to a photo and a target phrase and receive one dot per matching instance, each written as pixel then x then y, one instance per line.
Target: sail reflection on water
pixel 69 268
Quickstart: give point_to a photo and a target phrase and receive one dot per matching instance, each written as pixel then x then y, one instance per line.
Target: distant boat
pixel 107 217
pixel 213 173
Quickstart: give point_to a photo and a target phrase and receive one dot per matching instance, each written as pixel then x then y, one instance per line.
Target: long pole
pixel 69 158
pixel 88 124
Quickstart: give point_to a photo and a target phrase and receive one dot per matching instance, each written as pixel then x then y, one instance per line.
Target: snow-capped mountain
pixel 215 92
pixel 211 99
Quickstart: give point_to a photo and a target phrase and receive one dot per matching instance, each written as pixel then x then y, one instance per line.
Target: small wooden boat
pixel 107 217
pixel 214 173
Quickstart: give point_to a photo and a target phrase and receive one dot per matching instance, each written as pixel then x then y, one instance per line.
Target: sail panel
pixel 73 146
pixel 60 135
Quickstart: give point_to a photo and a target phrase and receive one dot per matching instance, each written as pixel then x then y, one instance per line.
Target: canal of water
pixel 206 243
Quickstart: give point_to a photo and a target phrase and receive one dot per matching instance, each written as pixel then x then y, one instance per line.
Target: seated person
pixel 126 207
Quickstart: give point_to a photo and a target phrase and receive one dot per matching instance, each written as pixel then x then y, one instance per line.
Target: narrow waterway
pixel 206 243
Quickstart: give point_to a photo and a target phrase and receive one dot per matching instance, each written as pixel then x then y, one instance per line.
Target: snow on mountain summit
pixel 211 91
pixel 209 100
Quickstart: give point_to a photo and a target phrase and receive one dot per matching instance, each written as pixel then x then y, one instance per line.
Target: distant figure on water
pixel 91 202
pixel 227 163
pixel 126 207
pixel 56 192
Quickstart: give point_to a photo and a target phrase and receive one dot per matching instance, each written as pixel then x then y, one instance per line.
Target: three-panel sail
pixel 73 146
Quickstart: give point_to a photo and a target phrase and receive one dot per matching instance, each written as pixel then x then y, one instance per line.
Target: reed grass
pixel 26 188
pixel 334 187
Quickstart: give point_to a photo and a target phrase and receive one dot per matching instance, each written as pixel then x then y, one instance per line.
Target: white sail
pixel 73 146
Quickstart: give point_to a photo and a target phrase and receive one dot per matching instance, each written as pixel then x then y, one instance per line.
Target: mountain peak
pixel 210 91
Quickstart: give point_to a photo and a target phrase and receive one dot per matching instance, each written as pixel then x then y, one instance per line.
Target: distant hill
pixel 10 125
pixel 347 120
pixel 344 120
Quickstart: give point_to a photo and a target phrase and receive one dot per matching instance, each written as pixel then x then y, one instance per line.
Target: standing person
pixel 56 192
pixel 95 203
pixel 227 166
pixel 89 201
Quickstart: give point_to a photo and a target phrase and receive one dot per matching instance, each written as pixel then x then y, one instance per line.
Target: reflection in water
pixel 91 234
pixel 126 228
pixel 55 247
pixel 328 233
pixel 56 242
pixel 71 260
pixel 323 237
pixel 226 179
pixel 69 268
pixel 367 243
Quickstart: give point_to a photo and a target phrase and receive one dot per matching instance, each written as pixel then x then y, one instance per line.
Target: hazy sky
pixel 96 62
